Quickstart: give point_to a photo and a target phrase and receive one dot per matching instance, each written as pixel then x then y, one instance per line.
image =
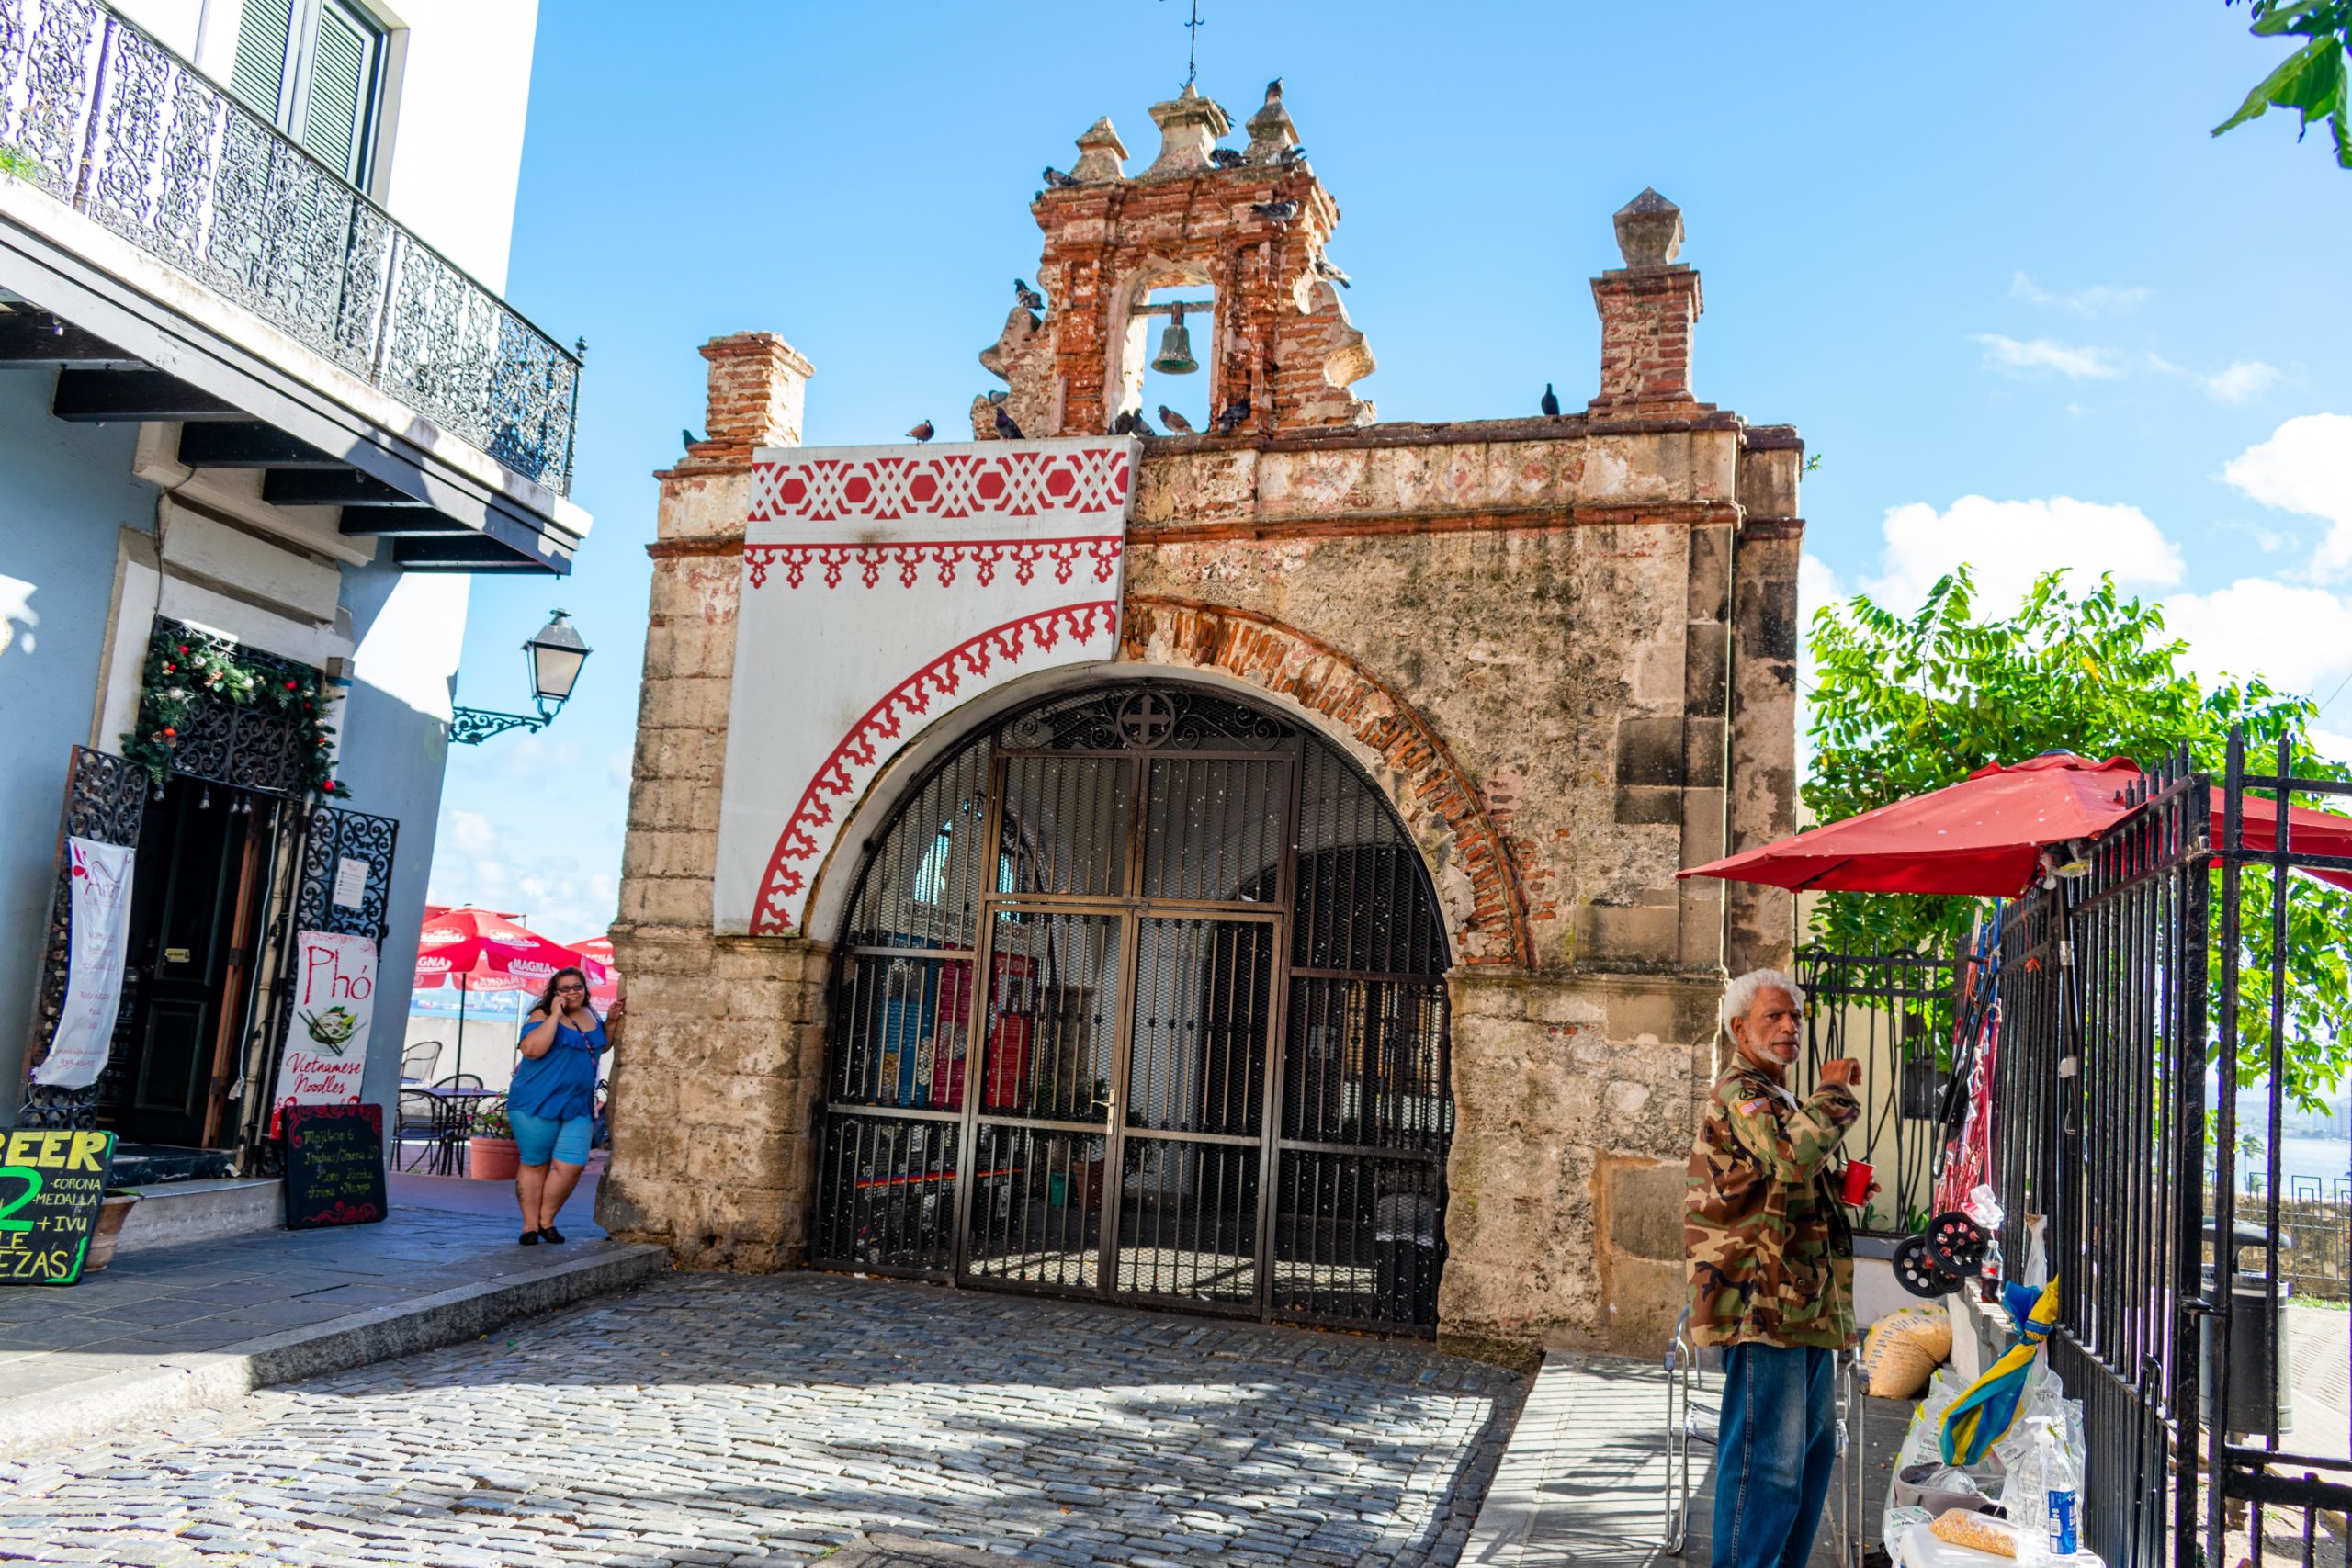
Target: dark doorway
pixel 196 910
pixel 1142 998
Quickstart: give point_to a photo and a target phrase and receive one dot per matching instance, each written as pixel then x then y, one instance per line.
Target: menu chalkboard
pixel 51 1187
pixel 335 1166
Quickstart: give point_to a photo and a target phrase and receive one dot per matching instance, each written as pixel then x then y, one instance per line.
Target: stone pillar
pixel 1761 927
pixel 723 1041
pixel 1648 309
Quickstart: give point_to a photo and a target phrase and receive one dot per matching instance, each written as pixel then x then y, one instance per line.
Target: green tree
pixel 1909 704
pixel 2311 81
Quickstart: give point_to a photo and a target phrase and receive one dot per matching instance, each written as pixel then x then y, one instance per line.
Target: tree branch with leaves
pixel 2311 81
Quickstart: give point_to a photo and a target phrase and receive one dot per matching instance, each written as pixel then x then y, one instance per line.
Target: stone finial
pixel 1649 230
pixel 758 388
pixel 1271 131
pixel 1189 125
pixel 1102 156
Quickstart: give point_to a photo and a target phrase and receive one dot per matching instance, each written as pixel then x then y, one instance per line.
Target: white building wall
pixel 449 137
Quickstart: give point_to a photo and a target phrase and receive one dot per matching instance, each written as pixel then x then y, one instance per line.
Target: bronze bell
pixel 1175 355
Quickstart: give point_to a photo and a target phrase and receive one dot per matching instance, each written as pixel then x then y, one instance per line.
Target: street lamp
pixel 554 656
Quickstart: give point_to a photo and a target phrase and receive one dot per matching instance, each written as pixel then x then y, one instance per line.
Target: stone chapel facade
pixel 1557 657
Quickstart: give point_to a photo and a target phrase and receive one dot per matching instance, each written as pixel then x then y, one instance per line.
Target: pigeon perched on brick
pixel 923 432
pixel 1291 155
pixel 1323 268
pixel 1226 422
pixel 687 437
pixel 1125 423
pixel 1005 429
pixel 1224 157
pixel 1176 423
pixel 1274 91
pixel 1055 179
pixel 1026 295
pixel 1551 402
pixel 1276 212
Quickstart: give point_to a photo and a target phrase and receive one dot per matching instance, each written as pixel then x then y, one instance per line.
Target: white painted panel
pixel 411 647
pixel 456 148
pixel 196 546
pixel 884 586
pixel 306 642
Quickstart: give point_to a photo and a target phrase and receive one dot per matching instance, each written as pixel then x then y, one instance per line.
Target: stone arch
pixel 1127 342
pixel 1470 861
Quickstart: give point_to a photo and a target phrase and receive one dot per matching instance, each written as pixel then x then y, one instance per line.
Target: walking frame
pixel 1686 1380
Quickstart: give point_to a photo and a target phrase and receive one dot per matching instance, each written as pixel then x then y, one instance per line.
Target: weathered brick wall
pixel 1565 648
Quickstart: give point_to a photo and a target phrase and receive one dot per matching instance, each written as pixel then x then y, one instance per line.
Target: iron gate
pixel 1141 997
pixel 2137 1002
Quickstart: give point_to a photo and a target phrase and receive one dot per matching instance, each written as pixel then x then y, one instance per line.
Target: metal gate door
pixel 1116 1144
pixel 1058 1037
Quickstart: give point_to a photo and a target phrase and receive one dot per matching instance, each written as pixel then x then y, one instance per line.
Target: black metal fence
pixel 1891 1010
pixel 2134 1003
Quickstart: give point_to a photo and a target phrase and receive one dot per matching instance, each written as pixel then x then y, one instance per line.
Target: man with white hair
pixel 1772 1275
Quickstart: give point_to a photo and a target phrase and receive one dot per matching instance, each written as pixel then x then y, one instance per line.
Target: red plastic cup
pixel 1857 1190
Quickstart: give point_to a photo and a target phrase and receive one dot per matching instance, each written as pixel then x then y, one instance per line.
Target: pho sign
pixel 326 1040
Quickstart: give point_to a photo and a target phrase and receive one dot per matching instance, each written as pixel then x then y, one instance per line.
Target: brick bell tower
pixel 1252 226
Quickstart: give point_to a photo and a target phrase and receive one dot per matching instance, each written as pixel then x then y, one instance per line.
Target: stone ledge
pixel 217 1377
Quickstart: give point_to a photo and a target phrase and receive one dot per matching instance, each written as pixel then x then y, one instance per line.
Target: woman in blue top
pixel 552 1101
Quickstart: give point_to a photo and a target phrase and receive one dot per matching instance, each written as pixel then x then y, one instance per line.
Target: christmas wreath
pixel 187 667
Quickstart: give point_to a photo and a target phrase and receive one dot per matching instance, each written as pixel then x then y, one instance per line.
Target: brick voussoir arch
pixel 1439 797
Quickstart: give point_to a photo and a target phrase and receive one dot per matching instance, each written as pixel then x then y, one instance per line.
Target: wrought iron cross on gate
pixel 1146 720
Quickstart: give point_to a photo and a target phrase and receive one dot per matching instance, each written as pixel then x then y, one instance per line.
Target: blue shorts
pixel 563 1138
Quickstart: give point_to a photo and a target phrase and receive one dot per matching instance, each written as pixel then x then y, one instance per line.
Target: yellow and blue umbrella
pixel 1987 1408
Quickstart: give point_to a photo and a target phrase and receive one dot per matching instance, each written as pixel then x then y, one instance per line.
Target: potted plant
pixel 490 1148
pixel 116 1208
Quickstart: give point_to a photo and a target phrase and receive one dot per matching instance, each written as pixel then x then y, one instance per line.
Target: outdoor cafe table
pixel 453 1119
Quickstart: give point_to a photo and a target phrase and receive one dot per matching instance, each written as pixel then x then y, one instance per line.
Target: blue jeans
pixel 1773 1453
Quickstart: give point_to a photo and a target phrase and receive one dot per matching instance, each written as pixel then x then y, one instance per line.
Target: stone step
pixel 149 1165
pixel 171 1212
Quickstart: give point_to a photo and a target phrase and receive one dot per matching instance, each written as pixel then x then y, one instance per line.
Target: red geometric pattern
pixel 792 861
pixel 1018 482
pixel 1101 551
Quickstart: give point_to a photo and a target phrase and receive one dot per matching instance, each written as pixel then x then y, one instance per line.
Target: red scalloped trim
pixel 1021 482
pixel 885 721
pixel 947 556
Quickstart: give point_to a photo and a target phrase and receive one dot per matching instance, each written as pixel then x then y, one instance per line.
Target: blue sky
pixel 1985 258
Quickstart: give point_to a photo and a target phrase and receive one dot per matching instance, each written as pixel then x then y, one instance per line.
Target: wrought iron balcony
pixel 114 123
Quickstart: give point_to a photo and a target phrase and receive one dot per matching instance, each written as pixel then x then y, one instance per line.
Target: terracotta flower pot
pixel 492 1159
pixel 111 1213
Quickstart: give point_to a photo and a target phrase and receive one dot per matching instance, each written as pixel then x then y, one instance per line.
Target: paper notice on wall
pixel 99 875
pixel 334 1008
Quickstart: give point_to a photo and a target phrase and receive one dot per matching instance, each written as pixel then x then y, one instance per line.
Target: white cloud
pixel 2298 637
pixel 2240 381
pixel 2009 543
pixel 472 834
pixel 2333 746
pixel 2098 299
pixel 2041 355
pixel 2306 466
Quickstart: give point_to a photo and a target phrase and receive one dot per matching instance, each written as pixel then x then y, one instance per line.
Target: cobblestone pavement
pixel 774 1419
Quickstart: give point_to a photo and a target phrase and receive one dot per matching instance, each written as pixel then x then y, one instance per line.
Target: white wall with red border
pixel 884 587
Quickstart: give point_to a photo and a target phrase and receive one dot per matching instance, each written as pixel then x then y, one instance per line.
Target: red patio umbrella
pixel 1984 836
pixel 480 950
pixel 603 979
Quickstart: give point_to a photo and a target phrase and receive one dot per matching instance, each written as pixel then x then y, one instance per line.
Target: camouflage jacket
pixel 1771 1254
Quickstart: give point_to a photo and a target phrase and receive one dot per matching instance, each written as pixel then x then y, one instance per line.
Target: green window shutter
pixel 340 69
pixel 258 77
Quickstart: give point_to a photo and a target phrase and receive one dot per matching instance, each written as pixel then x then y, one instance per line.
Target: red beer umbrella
pixel 603 980
pixel 1984 836
pixel 481 950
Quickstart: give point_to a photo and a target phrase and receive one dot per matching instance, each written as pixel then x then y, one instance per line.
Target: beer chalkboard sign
pixel 335 1166
pixel 51 1187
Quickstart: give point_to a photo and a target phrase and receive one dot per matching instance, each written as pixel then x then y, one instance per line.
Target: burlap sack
pixel 1903 1349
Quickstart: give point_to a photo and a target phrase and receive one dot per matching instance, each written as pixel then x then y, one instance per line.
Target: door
pixel 1131 950
pixel 193 918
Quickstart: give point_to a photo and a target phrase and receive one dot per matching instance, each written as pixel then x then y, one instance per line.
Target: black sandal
pixel 551 1233
pixel 529 1238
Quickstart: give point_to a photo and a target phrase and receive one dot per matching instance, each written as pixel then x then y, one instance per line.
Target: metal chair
pixel 416 1121
pixel 419 1060
pixel 1684 1381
